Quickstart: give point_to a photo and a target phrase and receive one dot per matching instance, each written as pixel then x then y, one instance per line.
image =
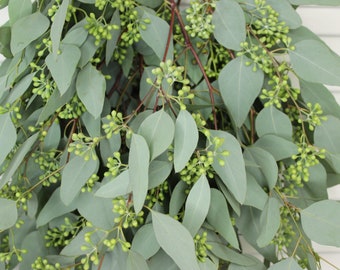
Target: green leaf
pixel 286 264
pixel 255 196
pixel 58 25
pixel 74 248
pixel 53 208
pixel 17 159
pixel 321 222
pixel 139 170
pixel 229 255
pixel 239 87
pixel 117 186
pixel 76 35
pixel 91 86
pixel 63 66
pixel 279 147
pixel 8 213
pixel 272 121
pixel 327 135
pixel 249 227
pixel 115 33
pixel 18 9
pixel 230 24
pixel 35 245
pixel 233 172
pixel 3 3
pixel 158 130
pixel 269 222
pixel 316 2
pixel 258 266
pixel 5 41
pixel 178 198
pixel 27 29
pixel 197 205
pixel 20 88
pixel 53 136
pixel 286 13
pixel 135 261
pixel 313 61
pixel 266 173
pixel 162 261
pixel 156 35
pixel 175 240
pixel 144 235
pixel 186 138
pixel 109 146
pixel 219 217
pixel 74 176
pixel 318 93
pixel 88 206
pixel 8 136
pixel 158 172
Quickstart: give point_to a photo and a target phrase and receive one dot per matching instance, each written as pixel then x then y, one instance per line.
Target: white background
pixel 324 21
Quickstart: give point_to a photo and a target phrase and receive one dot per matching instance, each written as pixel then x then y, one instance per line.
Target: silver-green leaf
pixel 230 24
pixel 8 136
pixel 8 213
pixel 175 240
pixel 313 61
pixel 139 157
pixel 232 173
pixel 27 29
pixel 63 66
pixel 186 138
pixel 158 130
pixel 321 222
pixel 197 205
pixel 91 86
pixel 239 86
pixel 75 174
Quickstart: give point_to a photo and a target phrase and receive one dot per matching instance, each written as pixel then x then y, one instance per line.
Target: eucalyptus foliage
pixel 139 134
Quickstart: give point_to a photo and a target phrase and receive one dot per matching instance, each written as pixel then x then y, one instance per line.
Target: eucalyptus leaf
pixel 178 198
pixel 57 26
pixel 321 222
pixel 239 86
pixel 230 24
pixel 27 29
pixel 266 173
pixel 91 86
pixel 111 46
pixel 219 217
pixel 158 130
pixel 286 12
pixel 18 9
pixel 273 121
pixel 197 205
pixel 74 176
pixel 135 261
pixel 53 208
pixel 318 93
pixel 233 172
pixel 5 41
pixel 286 264
pixel 186 138
pixel 8 136
pixel 269 222
pixel 326 135
pixel 139 170
pixel 279 147
pixel 156 35
pixel 175 240
pixel 17 159
pixel 145 234
pixel 255 196
pixel 115 187
pixel 8 213
pixel 159 171
pixel 313 61
pixel 63 66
